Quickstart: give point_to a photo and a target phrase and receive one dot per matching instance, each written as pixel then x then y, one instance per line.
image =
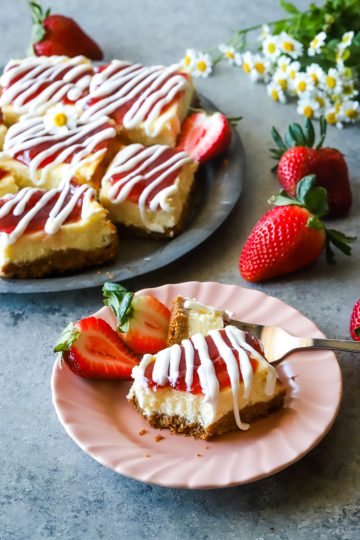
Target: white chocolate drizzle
pixel 133 164
pixel 166 367
pixel 147 90
pixel 34 84
pixel 79 142
pixel 65 199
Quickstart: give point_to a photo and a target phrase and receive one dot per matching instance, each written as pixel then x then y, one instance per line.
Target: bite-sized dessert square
pixel 148 189
pixel 7 183
pixel 32 85
pixel 40 151
pixel 207 385
pixel 46 232
pixel 148 104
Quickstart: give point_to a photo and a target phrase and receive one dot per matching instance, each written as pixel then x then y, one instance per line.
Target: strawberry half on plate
pixel 143 321
pixel 92 349
pixel 205 135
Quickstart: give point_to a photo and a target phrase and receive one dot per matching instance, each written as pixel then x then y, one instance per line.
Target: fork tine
pixel 254 329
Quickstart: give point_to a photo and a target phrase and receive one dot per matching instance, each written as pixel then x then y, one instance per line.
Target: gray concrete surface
pixel 48 487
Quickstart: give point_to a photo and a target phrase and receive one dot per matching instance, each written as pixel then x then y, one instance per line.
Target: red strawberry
pixel 205 136
pixel 355 322
pixel 92 349
pixel 297 158
pixel 143 320
pixel 291 235
pixel 59 35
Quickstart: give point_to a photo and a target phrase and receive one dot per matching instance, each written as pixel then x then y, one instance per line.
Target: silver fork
pixel 278 343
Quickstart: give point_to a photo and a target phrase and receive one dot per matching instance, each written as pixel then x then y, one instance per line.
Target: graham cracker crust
pixel 177 424
pixel 178 324
pixel 61 262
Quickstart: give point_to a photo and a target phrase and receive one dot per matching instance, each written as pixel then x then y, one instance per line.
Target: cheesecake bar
pixel 41 151
pixel 148 104
pixel 32 85
pixel 49 232
pixel 147 189
pixel 207 385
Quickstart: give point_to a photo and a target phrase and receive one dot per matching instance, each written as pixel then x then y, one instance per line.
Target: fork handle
pixel 333 344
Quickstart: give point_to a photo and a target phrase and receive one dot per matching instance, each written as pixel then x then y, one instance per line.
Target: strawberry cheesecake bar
pixel 55 231
pixel 32 85
pixel 148 104
pixel 148 189
pixel 207 385
pixel 40 151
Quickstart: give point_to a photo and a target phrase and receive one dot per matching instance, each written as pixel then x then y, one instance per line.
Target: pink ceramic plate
pixel 99 419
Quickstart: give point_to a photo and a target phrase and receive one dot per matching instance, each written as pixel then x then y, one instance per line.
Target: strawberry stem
pixel 119 299
pixel 69 335
pixel 38 16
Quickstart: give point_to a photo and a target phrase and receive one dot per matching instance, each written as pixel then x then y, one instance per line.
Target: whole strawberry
pixel 60 35
pixel 298 157
pixel 291 235
pixel 355 322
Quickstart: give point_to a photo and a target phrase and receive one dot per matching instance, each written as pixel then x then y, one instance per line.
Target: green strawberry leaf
pixel 309 133
pixel 69 335
pixel 304 186
pixel 289 140
pixel 278 139
pixel 315 223
pixel 282 199
pixel 323 127
pixel 119 299
pixel 357 331
pixel 289 8
pixel 338 240
pixel 297 134
pixel 38 33
pixel 316 201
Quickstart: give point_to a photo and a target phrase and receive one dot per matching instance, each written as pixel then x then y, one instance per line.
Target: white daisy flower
pixel 247 62
pixel 202 65
pixel 346 40
pixel 349 90
pixel 271 47
pixel 260 69
pixel 333 117
pixel 60 119
pixel 233 57
pixel 315 72
pixel 293 69
pixel 265 31
pixel 281 79
pixel 350 111
pixel 316 44
pixel 307 106
pixel 188 60
pixel 331 81
pixel 290 46
pixel 341 56
pixel 323 102
pixel 302 84
pixel 276 92
pixel 283 63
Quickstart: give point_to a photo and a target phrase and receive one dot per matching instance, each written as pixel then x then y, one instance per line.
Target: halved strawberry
pixel 355 321
pixel 205 135
pixel 92 349
pixel 142 320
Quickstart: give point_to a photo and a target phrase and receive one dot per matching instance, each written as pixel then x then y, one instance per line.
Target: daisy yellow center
pixel 60 119
pixel 230 55
pixel 283 68
pixel 320 101
pixel 338 106
pixel 292 73
pixel 314 43
pixel 330 81
pixel 201 65
pixel 271 48
pixel 260 68
pixel 246 68
pixel 302 86
pixel 187 60
pixel 352 113
pixel 348 89
pixel 283 83
pixel 308 111
pixel 331 118
pixel 315 78
pixel 275 95
pixel 288 46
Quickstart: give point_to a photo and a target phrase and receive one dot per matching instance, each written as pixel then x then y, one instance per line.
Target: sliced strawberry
pixel 143 320
pixel 355 322
pixel 205 136
pixel 92 349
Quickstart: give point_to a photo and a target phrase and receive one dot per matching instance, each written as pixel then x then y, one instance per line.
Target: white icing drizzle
pixel 31 73
pixel 28 133
pixel 132 162
pixel 58 214
pixel 121 82
pixel 166 367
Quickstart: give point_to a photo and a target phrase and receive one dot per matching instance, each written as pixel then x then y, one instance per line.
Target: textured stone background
pixel 49 487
